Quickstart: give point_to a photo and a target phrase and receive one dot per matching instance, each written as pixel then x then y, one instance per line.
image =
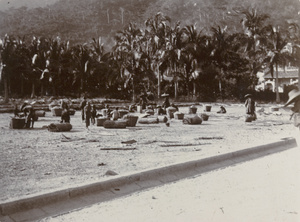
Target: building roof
pixel 283 74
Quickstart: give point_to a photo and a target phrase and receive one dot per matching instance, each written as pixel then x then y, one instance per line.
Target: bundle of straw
pixel 120 124
pixel 148 120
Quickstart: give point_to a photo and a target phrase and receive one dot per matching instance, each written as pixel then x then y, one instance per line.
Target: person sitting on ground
pixel 176 107
pixel 132 108
pixel 30 118
pixel 65 116
pixel 108 110
pixel 25 108
pixel 166 103
pixel 115 114
pixel 222 110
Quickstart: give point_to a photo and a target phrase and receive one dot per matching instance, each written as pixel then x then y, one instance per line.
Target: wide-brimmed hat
pixel 293 95
pixel 248 95
pixel 165 95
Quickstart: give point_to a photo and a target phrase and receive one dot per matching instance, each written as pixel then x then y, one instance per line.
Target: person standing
pixel 250 106
pixel 93 114
pixel 82 106
pixel 115 114
pixel 88 114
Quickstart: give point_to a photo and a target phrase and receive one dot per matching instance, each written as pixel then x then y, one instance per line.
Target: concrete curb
pixel 147 178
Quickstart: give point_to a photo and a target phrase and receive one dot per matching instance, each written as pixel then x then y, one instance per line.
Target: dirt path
pixel 37 161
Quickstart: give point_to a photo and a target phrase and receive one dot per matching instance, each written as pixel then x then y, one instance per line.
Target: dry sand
pixel 36 161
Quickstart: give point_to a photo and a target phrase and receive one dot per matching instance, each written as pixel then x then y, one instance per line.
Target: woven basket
pixel 193 120
pixel 192 110
pixel 123 113
pixel 148 120
pixel 71 112
pixel 40 113
pixel 178 115
pixel 101 120
pixel 204 116
pixel 120 124
pixel 56 111
pixel 248 118
pixel 131 120
pixel 17 123
pixel 59 127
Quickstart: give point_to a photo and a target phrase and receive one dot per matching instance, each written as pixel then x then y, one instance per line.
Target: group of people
pixel 88 112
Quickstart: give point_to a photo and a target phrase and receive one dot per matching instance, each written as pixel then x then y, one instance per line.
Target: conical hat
pixel 247 95
pixel 293 94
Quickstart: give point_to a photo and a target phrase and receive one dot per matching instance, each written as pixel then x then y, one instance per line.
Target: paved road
pixel 265 189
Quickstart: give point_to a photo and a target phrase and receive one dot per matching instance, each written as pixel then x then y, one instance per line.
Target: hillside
pixel 7 4
pixel 80 21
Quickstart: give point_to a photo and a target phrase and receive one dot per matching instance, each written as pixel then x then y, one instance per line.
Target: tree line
pixel 157 58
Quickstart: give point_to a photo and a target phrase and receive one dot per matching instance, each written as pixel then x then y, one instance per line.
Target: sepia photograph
pixel 149 110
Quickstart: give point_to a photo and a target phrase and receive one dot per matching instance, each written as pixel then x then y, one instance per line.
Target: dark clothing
pixel 250 106
pixel 65 116
pixel 166 103
pixel 222 110
pixel 82 105
pixel 88 113
pixel 30 119
pixel 93 115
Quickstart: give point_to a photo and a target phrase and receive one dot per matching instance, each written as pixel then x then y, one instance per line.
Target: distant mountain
pixel 7 4
pixel 82 20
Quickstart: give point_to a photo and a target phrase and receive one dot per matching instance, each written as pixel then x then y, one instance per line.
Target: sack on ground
pixel 195 119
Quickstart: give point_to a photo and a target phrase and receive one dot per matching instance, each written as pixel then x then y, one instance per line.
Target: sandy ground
pixel 36 161
pixel 259 190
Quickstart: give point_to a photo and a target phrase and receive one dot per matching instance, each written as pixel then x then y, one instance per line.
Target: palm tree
pixel 157 30
pixel 254 40
pixel 276 55
pixel 8 61
pixel 128 50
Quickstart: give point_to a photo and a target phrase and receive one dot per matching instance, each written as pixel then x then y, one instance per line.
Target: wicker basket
pixel 101 120
pixel 131 120
pixel 110 124
pixel 59 127
pixel 248 118
pixel 192 110
pixel 71 112
pixel 17 123
pixel 123 113
pixel 56 111
pixel 204 116
pixel 178 115
pixel 207 108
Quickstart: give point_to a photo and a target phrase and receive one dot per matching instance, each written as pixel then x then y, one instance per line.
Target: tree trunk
pixel 194 88
pixel 220 89
pixel 33 90
pixel 5 90
pixel 158 83
pixel 299 77
pixel 277 85
pixel 133 91
pixel 176 89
